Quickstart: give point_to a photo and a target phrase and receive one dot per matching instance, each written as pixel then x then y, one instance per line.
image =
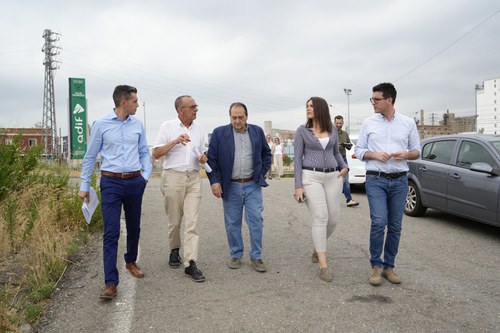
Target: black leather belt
pixel 387 175
pixel 242 180
pixel 124 175
pixel 322 169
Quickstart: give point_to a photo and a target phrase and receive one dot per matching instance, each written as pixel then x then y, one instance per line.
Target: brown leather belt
pixel 242 180
pixel 125 175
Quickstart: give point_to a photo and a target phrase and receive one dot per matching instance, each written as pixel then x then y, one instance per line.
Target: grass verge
pixel 41 226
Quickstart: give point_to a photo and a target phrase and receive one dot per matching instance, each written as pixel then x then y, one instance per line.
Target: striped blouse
pixel 308 152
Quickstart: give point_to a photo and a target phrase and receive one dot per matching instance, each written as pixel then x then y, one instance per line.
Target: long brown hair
pixel 321 114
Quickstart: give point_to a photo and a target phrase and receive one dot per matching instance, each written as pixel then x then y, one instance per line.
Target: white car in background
pixel 357 173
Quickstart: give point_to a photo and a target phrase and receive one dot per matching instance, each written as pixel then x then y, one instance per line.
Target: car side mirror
pixel 483 168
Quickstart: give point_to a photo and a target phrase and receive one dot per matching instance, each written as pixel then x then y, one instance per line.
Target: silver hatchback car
pixel 458 174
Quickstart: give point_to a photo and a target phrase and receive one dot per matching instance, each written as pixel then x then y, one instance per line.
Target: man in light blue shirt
pixel 386 141
pixel 126 166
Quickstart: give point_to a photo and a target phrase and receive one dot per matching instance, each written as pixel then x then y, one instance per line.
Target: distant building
pixel 268 127
pixel 449 125
pixel 459 124
pixel 28 136
pixel 284 135
pixel 487 108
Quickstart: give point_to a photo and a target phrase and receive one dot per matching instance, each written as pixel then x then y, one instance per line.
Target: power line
pixel 186 80
pixel 449 46
pixel 438 53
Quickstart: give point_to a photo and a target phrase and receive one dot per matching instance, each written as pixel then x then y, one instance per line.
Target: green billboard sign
pixel 78 118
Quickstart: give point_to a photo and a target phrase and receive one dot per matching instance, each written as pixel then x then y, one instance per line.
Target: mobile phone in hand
pixel 302 199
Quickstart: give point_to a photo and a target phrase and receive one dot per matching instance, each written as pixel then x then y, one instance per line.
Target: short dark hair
pixel 321 114
pixel 387 90
pixel 122 92
pixel 239 104
pixel 178 101
pixel 339 117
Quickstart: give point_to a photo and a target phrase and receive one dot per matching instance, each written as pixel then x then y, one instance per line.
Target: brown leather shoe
pixel 109 292
pixel 314 257
pixel 376 277
pixel 389 274
pixel 134 270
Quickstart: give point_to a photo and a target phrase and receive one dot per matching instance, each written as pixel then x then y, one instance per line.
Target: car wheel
pixel 413 205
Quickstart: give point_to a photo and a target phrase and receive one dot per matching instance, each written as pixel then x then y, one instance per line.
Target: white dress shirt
pixel 181 157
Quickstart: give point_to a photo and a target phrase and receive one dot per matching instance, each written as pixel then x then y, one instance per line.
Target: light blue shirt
pixel 379 135
pixel 243 156
pixel 122 145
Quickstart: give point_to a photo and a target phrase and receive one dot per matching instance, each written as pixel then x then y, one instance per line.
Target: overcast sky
pixel 271 55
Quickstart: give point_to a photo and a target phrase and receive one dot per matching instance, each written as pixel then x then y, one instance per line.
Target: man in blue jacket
pixel 240 158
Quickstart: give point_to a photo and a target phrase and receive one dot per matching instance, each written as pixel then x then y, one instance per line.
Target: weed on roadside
pixel 41 226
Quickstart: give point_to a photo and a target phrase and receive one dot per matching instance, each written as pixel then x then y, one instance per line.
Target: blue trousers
pixel 386 197
pixel 346 189
pixel 115 193
pixel 247 196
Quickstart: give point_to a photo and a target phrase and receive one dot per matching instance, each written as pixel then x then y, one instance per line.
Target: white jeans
pixel 323 191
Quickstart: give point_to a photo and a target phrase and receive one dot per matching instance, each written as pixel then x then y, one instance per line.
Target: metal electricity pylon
pixel 49 127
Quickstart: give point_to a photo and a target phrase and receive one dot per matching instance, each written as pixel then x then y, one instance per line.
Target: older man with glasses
pixel 181 143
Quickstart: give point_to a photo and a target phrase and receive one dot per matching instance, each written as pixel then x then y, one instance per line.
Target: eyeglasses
pixel 192 107
pixel 376 100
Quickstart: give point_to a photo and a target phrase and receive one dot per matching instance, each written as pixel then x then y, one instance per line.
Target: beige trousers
pixel 278 164
pixel 181 191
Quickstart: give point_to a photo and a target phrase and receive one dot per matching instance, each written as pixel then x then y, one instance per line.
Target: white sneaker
pixel 352 203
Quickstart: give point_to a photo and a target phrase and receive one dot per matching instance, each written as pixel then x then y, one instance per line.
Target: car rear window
pixel 438 151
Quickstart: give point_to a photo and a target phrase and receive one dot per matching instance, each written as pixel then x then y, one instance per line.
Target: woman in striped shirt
pixel 319 173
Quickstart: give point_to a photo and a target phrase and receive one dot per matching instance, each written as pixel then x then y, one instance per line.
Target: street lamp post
pixel 477 88
pixel 348 127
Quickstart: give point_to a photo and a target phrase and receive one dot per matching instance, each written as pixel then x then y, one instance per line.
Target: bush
pixel 41 224
pixel 287 160
pixel 16 165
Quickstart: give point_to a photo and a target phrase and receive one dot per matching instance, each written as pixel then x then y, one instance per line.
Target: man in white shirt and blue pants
pixel 386 141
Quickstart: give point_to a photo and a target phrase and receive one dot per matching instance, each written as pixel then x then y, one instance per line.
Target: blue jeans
pixel 386 197
pixel 346 189
pixel 116 192
pixel 248 196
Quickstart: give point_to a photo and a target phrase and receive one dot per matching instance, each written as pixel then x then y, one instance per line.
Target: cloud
pixel 270 55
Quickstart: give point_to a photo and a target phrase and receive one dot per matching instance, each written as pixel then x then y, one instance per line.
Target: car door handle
pixel 455 175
